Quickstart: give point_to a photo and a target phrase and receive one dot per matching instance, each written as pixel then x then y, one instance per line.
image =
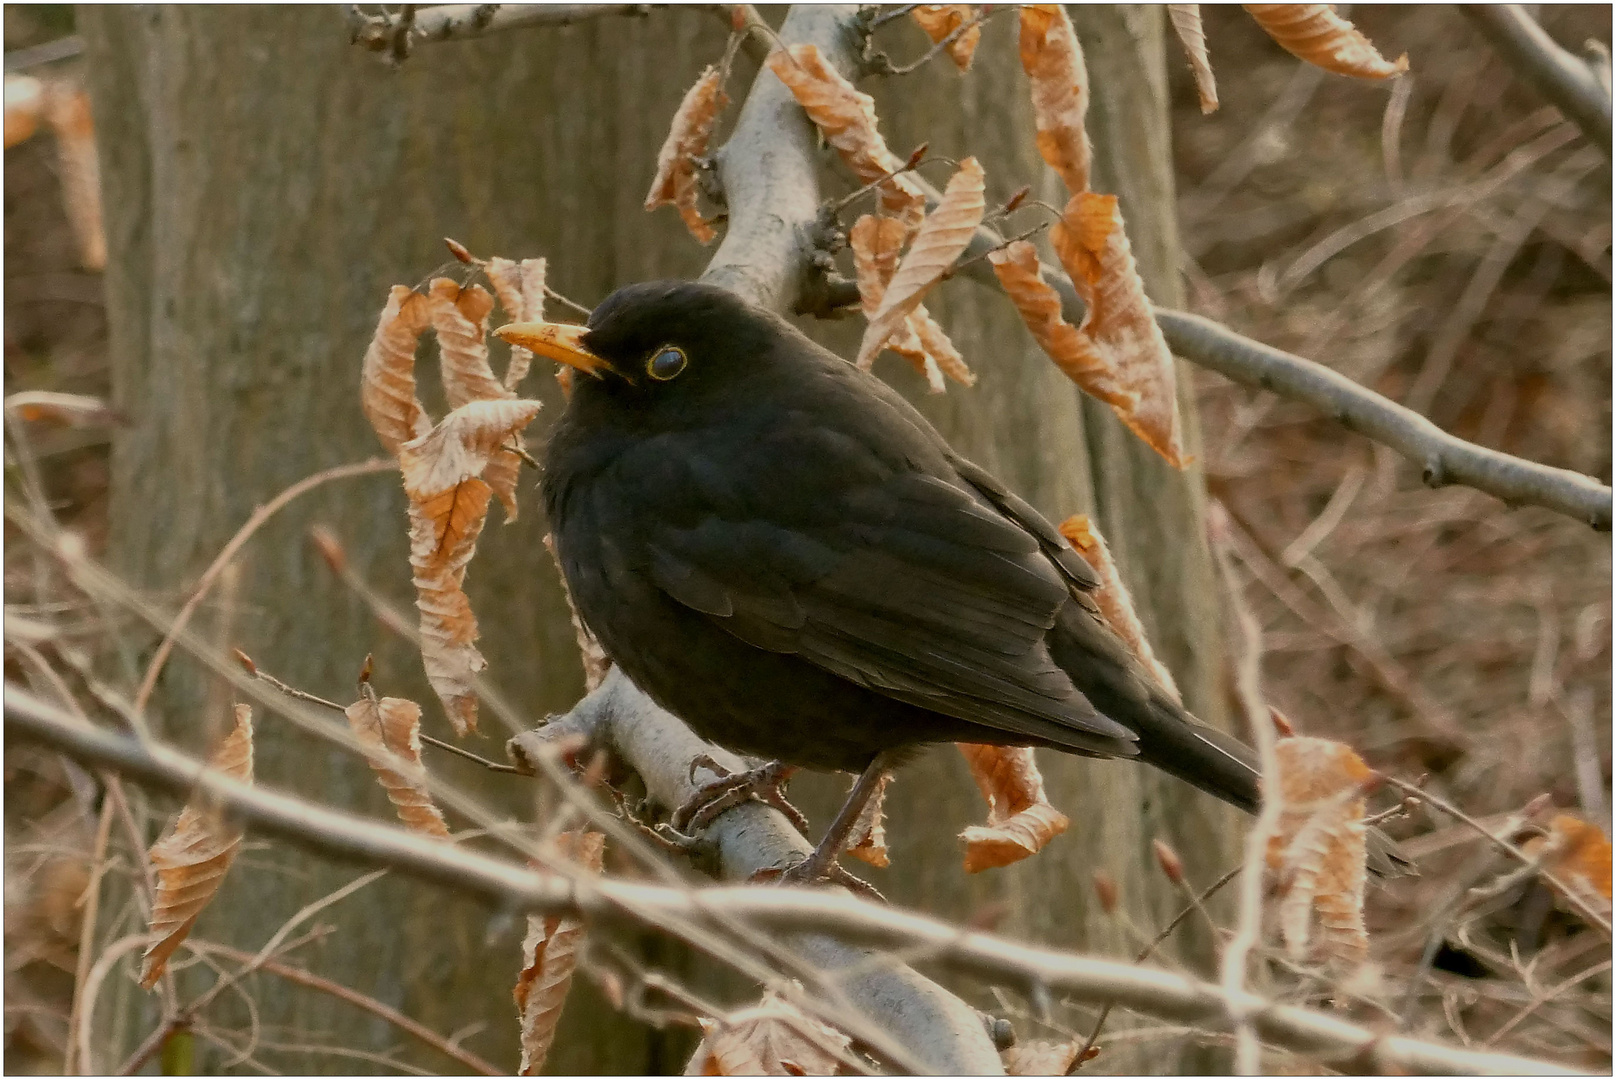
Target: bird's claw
pixel 804 874
pixel 731 789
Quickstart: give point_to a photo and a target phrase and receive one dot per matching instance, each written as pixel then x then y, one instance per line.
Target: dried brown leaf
pixel 192 857
pixel 1040 1057
pixel 1315 33
pixel 869 836
pixel 876 242
pixel 942 237
pixel 1016 266
pixel 847 120
pixel 520 287
pixel 1112 597
pixel 549 958
pixel 1053 60
pixel 1579 854
pixel 448 507
pixel 67 107
pixel 1021 819
pixel 940 20
pixel 25 103
pixel 1319 849
pixel 772 1038
pixel 1186 19
pixel 387 384
pixel 1092 244
pixel 74 410
pixel 390 730
pixel 675 181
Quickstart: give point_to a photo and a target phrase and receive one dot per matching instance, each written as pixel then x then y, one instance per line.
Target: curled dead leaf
pixel 1315 33
pixel 549 959
pixel 1053 60
pixel 1113 600
pixel 1021 820
pixel 847 120
pixel 390 731
pixel 520 288
pixel 1319 851
pixel 675 182
pixel 1017 268
pixel 1040 1057
pixel 25 102
pixel 869 836
pixel 1186 20
pixel 193 856
pixel 387 382
pixel 943 236
pixel 1092 244
pixel 460 317
pixel 876 242
pixel 940 20
pixel 772 1038
pixel 1579 855
pixel 67 107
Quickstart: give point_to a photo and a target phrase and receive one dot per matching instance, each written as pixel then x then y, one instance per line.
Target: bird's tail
pixel 1221 765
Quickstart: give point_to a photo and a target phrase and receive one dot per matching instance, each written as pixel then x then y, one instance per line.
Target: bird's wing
pixel 884 573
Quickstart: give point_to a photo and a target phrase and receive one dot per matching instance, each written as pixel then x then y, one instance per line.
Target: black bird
pixel 780 550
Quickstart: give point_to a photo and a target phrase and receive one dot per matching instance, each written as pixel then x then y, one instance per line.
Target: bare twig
pixel 1443 458
pixel 229 552
pixel 1151 991
pixel 1564 79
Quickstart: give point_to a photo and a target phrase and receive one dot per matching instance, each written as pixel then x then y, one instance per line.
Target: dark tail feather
pixel 1223 766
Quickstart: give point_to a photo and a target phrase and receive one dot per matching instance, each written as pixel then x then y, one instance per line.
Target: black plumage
pixel 779 549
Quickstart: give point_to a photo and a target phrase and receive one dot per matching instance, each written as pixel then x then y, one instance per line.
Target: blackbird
pixel 780 550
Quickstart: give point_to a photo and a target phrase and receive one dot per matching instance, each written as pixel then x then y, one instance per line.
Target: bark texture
pixel 265 183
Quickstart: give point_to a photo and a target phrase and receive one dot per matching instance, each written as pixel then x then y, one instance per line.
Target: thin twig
pixel 880 65
pixel 1158 993
pixel 1572 897
pixel 229 552
pixel 491 766
pixel 1558 75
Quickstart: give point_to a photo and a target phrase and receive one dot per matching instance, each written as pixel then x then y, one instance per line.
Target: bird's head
pixel 658 342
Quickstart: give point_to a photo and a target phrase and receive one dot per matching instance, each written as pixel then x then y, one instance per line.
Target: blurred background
pixel 1444 240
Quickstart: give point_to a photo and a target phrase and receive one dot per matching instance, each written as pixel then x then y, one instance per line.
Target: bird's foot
pixel 808 874
pixel 766 783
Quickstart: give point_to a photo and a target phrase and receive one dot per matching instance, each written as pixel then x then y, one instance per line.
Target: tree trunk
pixel 265 182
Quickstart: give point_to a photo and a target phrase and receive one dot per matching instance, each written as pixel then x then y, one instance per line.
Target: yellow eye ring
pixel 666 363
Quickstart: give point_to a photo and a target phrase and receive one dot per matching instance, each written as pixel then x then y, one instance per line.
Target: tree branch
pixel 808 911
pixel 1443 458
pixel 1565 79
pixel 453 22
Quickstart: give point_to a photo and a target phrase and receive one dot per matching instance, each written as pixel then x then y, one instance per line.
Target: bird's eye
pixel 665 363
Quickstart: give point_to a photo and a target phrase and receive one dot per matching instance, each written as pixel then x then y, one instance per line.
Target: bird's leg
pixel 731 789
pixel 821 865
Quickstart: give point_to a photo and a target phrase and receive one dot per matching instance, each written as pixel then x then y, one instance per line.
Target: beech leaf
pixel 940 20
pixel 387 382
pixel 549 958
pixel 675 182
pixel 1320 849
pixel 1039 305
pixel 193 856
pixel 1113 600
pixel 1315 33
pixel 869 836
pixel 1579 854
pixel 1186 20
pixel 67 108
pixel 25 103
pixel 942 237
pixel 1053 60
pixel 1092 244
pixel 1021 820
pixel 772 1038
pixel 520 288
pixel 390 730
pixel 847 120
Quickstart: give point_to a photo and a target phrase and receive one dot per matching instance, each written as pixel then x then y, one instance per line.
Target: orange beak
pixel 561 342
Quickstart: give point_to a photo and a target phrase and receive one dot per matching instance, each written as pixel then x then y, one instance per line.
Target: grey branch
pixel 451 22
pixel 795 911
pixel 1569 82
pixel 1442 458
